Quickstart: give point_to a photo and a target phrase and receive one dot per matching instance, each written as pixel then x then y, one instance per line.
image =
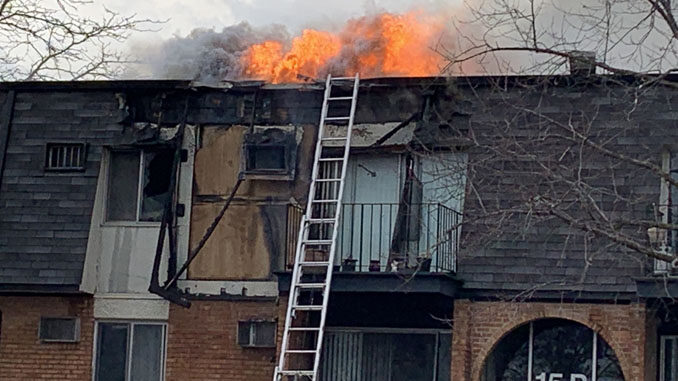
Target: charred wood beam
pixel 167 223
pixel 395 129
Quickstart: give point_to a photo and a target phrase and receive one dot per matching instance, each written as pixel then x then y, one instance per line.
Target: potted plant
pixel 349 265
pixel 424 262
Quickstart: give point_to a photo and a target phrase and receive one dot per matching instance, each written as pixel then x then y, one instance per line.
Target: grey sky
pixel 295 14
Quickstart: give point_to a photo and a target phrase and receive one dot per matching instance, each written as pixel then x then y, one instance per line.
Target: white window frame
pixel 663 267
pixel 130 342
pixel 662 350
pixel 140 190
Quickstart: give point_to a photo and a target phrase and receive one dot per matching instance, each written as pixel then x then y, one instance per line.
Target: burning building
pixel 149 229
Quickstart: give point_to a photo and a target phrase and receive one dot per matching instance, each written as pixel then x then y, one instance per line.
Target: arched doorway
pixel 552 350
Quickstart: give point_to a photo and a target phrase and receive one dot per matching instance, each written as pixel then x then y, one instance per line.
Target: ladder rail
pixel 307 220
pixel 303 233
pixel 326 295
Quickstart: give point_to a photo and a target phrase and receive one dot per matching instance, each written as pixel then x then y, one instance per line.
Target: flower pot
pixel 349 265
pixel 375 266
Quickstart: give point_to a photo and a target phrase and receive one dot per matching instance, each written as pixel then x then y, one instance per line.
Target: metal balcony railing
pixel 390 237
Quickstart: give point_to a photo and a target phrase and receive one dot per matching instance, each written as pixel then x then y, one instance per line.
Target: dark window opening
pixel 254 333
pixel 266 158
pixel 65 156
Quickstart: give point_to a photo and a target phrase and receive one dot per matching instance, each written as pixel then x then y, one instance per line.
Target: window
pixel 667 212
pixel 138 184
pixel 256 333
pixel 385 356
pixel 668 358
pixel 59 329
pixel 266 158
pixel 130 351
pixel 65 156
pixel 552 350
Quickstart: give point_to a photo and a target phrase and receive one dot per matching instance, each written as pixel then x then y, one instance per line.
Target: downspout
pixel 6 115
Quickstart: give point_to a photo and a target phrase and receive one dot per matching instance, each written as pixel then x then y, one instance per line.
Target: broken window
pixel 138 184
pixel 130 351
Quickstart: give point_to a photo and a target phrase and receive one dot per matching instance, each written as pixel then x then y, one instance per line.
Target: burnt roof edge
pixel 478 80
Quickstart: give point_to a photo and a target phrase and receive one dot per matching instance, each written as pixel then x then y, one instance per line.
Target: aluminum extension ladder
pixel 312 275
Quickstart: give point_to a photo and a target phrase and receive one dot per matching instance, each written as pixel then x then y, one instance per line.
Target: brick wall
pixel 478 326
pixel 202 342
pixel 24 357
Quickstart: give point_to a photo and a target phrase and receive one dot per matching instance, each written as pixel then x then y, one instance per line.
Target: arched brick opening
pixel 479 325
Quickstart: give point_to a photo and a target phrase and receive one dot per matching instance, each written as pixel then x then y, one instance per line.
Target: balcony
pixel 386 238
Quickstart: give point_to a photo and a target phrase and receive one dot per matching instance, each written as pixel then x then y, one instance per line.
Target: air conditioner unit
pixel 59 329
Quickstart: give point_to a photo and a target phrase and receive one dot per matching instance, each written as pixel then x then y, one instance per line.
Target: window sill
pixel 131 224
pixel 269 176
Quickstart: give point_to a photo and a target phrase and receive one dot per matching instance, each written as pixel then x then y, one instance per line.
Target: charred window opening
pixel 138 184
pixel 266 158
pixel 269 154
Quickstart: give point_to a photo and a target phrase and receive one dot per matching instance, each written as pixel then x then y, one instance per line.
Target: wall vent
pixel 65 156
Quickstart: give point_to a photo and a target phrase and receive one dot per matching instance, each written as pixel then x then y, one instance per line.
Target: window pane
pixel 670 359
pixel 147 352
pixel 607 366
pixel 508 361
pixel 264 334
pixel 111 352
pixel 562 347
pixel 444 353
pixel 156 182
pixel 123 186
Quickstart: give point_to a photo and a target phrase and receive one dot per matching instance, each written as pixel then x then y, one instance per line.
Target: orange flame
pixel 383 45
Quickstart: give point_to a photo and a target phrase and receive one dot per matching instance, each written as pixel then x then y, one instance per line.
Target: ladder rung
pixel 318 241
pixel 331 159
pixel 326 180
pixel 335 138
pixel 296 372
pixel 314 263
pixel 301 351
pixel 325 201
pixel 337 118
pixel 307 307
pixel 303 329
pixel 340 98
pixel 321 220
pixel 310 285
pixel 341 78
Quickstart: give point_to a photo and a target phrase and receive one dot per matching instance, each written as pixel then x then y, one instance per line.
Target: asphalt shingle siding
pixel 45 216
